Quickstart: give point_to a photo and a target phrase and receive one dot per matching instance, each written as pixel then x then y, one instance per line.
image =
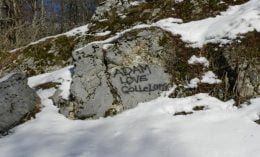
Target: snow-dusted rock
pixel 17 100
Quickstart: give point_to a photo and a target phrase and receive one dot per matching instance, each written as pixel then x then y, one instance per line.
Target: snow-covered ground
pixel 63 76
pixel 152 129
pixel 149 130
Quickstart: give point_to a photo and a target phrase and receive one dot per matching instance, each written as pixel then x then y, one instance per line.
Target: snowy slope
pixel 221 29
pixel 149 130
pixel 224 28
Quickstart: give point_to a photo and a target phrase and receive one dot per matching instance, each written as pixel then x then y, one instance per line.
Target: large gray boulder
pixel 111 78
pixel 17 100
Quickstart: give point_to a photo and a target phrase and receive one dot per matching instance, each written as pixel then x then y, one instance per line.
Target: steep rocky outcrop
pixel 238 64
pixel 18 101
pixel 142 63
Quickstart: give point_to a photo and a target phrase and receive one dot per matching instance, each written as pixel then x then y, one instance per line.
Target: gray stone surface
pixel 90 89
pixel 17 100
pixel 139 83
pixel 108 80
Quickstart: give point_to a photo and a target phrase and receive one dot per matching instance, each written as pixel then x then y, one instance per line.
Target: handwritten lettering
pixel 133 79
pixel 146 88
pixel 127 71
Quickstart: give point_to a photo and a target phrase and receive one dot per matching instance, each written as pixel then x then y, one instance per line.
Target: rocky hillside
pixel 143 78
pixel 133 51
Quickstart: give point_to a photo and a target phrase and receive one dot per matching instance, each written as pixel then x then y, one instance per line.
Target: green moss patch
pixel 42 56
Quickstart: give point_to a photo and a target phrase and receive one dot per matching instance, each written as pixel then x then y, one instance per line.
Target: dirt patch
pixel 198 108
pixel 182 113
pixel 48 85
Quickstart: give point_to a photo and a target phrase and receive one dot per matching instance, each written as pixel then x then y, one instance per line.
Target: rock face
pixel 90 86
pixel 110 78
pixel 138 66
pixel 139 83
pixel 239 67
pixel 17 100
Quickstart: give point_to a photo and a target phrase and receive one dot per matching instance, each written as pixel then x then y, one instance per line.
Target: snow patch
pixel 107 46
pixel 103 33
pixel 193 83
pixel 210 78
pixel 6 77
pixel 136 3
pixel 118 35
pixel 220 29
pixel 82 30
pixel 178 1
pixel 199 60
pixel 62 76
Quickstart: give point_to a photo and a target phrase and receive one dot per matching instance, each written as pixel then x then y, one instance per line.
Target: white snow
pixel 220 29
pixel 118 35
pixel 199 60
pixel 62 76
pixel 102 20
pixel 193 83
pixel 136 3
pixel 149 130
pixel 210 78
pixel 6 77
pixel 107 46
pixel 178 1
pixel 82 30
pixel 103 33
pixel 123 16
